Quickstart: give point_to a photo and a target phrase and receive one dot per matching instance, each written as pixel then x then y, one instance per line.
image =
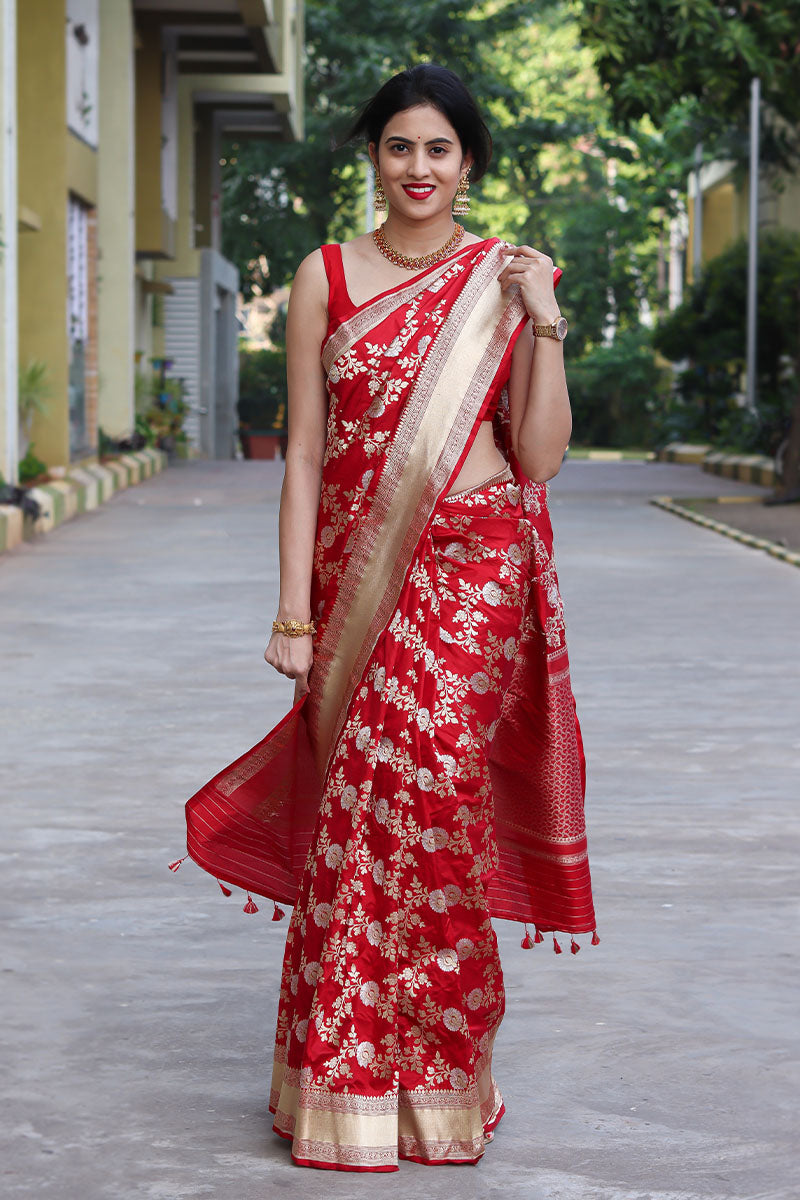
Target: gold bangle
pixel 293 628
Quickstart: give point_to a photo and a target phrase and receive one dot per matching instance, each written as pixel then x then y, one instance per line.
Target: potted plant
pixel 262 402
pixel 33 389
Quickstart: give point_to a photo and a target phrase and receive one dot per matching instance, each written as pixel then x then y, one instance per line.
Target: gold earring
pixel 461 201
pixel 380 195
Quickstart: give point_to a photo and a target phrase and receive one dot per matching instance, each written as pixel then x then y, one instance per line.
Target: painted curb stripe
pixel 737 535
pixel 92 485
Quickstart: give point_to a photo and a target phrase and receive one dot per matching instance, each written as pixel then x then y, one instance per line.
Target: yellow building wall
pixel 788 205
pixel 725 209
pixel 187 256
pixel 155 232
pixel 42 165
pixel 81 168
pixel 116 186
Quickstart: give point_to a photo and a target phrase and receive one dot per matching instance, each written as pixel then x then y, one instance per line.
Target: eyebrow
pixel 396 137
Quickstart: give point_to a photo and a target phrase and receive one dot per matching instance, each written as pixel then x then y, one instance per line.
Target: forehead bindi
pixel 420 124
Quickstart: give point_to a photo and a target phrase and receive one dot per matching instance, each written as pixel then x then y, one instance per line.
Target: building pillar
pixel 9 433
pixel 43 186
pixel 116 220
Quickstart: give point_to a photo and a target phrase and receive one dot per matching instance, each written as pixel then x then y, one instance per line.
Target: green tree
pixel 708 328
pixel 700 55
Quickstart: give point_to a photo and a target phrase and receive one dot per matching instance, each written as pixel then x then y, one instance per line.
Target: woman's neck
pixel 416 238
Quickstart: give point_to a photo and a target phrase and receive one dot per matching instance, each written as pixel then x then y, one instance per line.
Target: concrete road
pixel 139 1006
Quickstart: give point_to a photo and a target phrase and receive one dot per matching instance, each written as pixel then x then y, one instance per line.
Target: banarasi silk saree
pixel 433 776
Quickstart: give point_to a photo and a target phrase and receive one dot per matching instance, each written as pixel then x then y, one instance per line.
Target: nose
pixel 418 165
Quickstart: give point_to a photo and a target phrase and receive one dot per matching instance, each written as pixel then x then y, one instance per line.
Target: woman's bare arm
pixel 306 326
pixel 541 419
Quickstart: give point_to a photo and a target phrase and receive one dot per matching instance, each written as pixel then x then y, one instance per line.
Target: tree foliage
pixel 700 56
pixel 709 329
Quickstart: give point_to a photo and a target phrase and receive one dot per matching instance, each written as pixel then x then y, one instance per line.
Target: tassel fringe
pixel 529 942
pixel 250 906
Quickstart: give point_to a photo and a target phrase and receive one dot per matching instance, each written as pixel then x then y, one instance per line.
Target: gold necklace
pixel 425 260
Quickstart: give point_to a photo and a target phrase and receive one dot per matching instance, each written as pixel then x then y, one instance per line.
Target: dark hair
pixel 428 83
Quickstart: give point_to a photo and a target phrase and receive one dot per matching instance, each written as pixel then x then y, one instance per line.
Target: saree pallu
pixel 433 776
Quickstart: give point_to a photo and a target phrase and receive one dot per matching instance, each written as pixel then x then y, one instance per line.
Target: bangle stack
pixel 291 627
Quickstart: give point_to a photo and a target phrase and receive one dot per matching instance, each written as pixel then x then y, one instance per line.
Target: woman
pixel 430 773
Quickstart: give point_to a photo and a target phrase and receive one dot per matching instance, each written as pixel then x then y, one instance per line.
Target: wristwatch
pixel 557 330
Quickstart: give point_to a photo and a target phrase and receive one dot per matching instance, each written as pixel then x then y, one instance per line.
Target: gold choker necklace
pixel 425 260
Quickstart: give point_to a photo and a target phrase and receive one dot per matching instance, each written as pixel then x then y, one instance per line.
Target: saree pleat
pixel 433 776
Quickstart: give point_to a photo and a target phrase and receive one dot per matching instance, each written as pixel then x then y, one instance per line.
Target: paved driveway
pixel 140 1006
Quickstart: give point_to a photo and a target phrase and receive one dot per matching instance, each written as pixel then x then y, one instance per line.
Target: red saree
pixel 433 777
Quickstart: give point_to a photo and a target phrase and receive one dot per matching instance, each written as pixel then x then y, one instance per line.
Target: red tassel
pixel 574 947
pixel 527 941
pixel 251 906
pixel 539 937
pixel 173 866
pixel 556 946
pixel 277 913
pixel 226 891
pixel 595 938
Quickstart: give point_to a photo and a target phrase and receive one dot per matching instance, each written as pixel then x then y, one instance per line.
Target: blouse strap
pixel 338 298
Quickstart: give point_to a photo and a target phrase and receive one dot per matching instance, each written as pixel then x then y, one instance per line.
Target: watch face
pixel 561 328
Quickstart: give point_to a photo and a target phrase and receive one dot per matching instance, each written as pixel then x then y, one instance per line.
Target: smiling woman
pixel 430 775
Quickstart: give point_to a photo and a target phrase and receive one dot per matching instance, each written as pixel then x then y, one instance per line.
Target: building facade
pixel 724 193
pixel 112 116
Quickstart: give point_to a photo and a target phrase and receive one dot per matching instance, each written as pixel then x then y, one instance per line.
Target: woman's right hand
pixel 293 657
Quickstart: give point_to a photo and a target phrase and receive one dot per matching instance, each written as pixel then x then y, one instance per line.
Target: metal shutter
pixel 182 344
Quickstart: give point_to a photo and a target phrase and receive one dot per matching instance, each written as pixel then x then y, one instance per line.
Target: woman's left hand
pixel 532 271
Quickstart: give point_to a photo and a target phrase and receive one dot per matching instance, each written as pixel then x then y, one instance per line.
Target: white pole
pixel 752 247
pixel 369 210
pixel 697 241
pixel 8 209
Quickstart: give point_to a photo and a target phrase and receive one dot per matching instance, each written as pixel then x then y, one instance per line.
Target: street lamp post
pixel 697 240
pixel 752 247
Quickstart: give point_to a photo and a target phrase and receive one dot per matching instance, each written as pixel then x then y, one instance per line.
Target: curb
pixel 746 539
pixel 747 468
pixel 610 455
pixel 79 490
pixel 684 452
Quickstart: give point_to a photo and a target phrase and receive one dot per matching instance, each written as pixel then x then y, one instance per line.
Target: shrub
pixel 262 390
pixel 710 330
pixel 616 391
pixel 31 467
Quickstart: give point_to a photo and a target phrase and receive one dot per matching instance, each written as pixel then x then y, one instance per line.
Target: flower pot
pixel 260 444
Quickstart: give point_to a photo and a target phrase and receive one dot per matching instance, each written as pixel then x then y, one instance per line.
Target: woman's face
pixel 420 162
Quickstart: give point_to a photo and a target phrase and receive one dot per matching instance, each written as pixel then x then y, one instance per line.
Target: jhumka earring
pixel 461 201
pixel 380 195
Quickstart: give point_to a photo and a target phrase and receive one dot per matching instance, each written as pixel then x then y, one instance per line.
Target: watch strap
pixel 551 330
